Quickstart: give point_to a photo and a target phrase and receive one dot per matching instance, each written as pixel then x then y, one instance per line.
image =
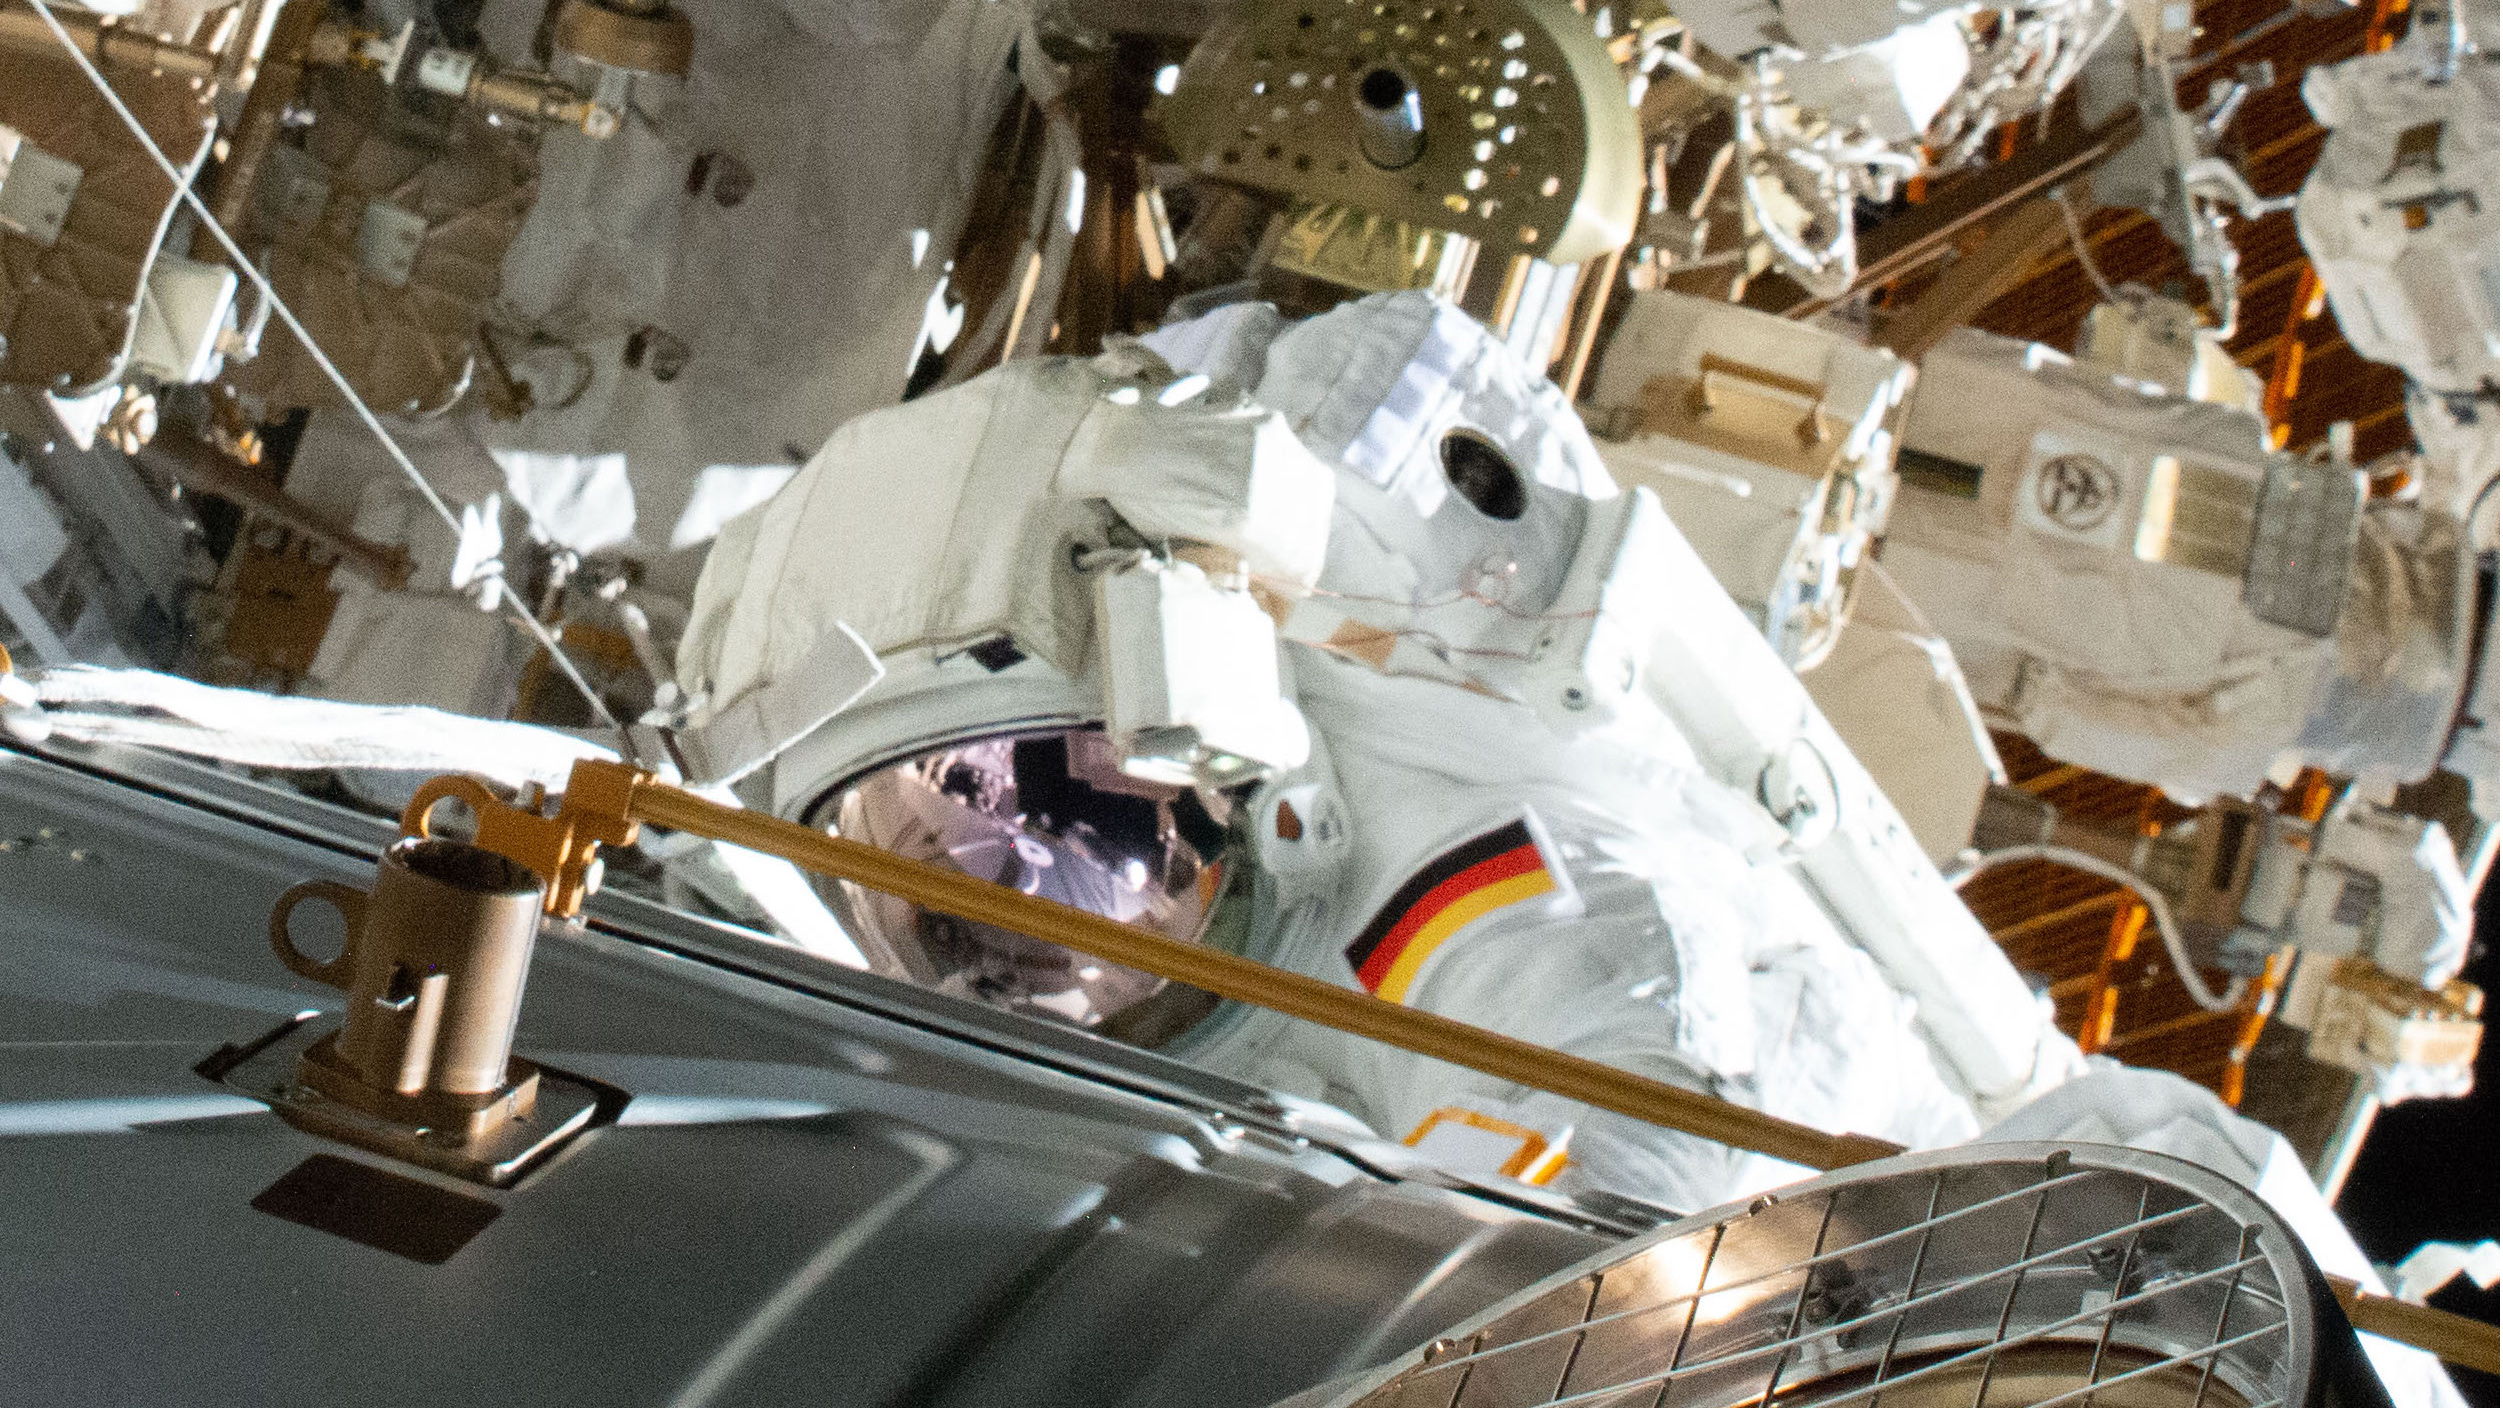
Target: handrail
pixel 2469 1343
pixel 603 802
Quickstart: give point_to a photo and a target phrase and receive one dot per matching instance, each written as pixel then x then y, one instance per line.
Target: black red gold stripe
pixel 1471 879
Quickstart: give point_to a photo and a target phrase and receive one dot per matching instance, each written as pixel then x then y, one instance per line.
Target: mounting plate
pixel 36 189
pixel 265 1069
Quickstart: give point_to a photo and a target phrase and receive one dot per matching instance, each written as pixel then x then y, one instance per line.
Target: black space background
pixel 2427 1171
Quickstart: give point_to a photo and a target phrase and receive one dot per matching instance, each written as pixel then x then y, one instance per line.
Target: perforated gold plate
pixel 1530 145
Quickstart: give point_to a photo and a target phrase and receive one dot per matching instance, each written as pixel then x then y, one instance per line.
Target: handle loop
pixel 348 900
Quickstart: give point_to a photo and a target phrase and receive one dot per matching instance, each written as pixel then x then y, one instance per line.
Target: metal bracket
pixel 36 189
pixel 563 847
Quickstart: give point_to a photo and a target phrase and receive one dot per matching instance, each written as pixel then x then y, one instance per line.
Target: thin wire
pixel 1439 644
pixel 249 270
pixel 2224 1317
pixel 1572 1356
pixel 2210 1354
pixel 2175 947
pixel 1291 587
pixel 2016 1287
pixel 2120 1284
pixel 1920 1258
pixel 2483 491
pixel 1807 1286
pixel 2077 242
pixel 2112 1309
pixel 321 359
pixel 1989 1351
pixel 1703 1290
pixel 1694 1303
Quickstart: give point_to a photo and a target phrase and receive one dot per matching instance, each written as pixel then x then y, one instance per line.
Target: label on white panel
pixel 2072 490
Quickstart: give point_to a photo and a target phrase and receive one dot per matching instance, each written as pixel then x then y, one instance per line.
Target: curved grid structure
pixel 2007 1275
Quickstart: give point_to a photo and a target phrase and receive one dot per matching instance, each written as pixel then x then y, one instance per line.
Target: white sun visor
pixel 950 521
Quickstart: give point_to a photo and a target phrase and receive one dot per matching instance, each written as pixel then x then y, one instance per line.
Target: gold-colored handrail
pixel 2471 1344
pixel 603 802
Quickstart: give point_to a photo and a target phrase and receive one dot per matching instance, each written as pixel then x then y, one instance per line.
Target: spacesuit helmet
pixel 1047 812
pixel 1439 492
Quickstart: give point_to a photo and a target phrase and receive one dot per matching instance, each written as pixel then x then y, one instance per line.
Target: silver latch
pixel 387 242
pixel 36 189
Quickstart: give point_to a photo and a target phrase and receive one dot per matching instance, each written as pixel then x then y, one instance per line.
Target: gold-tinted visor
pixel 1051 814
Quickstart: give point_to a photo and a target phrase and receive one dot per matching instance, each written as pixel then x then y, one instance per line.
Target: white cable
pixel 248 269
pixel 2157 909
pixel 321 359
pixel 2077 242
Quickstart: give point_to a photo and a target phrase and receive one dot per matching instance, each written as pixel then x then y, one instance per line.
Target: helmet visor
pixel 1049 814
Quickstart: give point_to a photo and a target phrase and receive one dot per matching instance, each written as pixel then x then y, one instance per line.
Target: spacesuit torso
pixel 1597 892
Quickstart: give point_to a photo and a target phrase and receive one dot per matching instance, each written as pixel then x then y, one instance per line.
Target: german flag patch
pixel 1474 878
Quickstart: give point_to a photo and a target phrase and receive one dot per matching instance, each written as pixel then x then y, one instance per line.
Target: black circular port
pixel 1382 90
pixel 1483 475
pixel 464 866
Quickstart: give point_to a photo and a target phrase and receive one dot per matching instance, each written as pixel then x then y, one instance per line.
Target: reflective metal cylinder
pixel 1390 120
pixel 437 967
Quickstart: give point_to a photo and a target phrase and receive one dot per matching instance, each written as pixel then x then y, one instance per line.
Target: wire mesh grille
pixel 1977 1284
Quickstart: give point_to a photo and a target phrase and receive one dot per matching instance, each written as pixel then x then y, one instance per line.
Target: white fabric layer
pixel 1372 386
pixel 1894 692
pixel 2162 1113
pixel 2152 669
pixel 423 645
pixel 1697 957
pixel 31 534
pixel 141 708
pixel 1735 478
pixel 799 306
pixel 1205 470
pixel 2398 213
pixel 1008 474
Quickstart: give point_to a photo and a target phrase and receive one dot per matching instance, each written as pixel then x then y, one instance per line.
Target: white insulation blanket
pixel 140 708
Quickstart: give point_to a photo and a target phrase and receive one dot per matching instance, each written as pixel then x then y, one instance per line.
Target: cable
pixel 249 270
pixel 2077 242
pixel 399 457
pixel 2484 491
pixel 2161 912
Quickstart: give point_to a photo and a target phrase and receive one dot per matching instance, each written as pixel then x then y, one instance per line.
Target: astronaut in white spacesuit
pixel 1335 644
pixel 1372 674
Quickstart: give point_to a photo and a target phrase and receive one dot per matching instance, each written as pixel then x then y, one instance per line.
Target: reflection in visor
pixel 1050 814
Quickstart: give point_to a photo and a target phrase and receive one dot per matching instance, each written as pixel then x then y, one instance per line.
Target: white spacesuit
pixel 1543 775
pixel 1519 760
